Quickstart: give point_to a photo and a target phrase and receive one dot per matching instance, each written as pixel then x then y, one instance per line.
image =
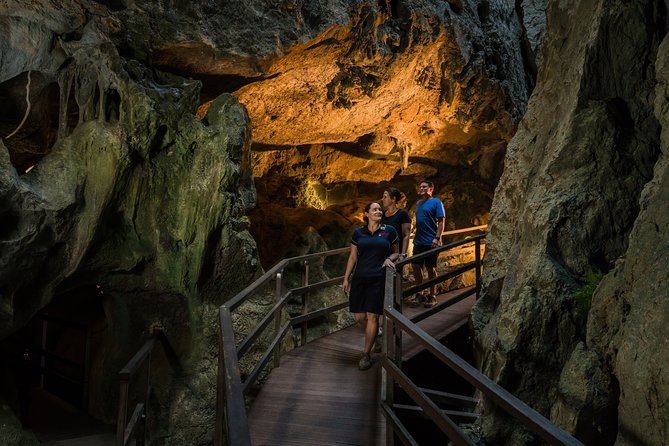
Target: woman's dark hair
pixel 394 193
pixel 367 208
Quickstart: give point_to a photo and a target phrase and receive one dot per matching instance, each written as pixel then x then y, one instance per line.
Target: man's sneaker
pixel 365 362
pixel 417 301
pixel 431 301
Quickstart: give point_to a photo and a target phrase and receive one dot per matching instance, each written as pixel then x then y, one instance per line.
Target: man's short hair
pixel 428 182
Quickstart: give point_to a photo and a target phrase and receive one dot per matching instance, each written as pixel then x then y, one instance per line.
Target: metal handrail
pixel 396 324
pixel 230 402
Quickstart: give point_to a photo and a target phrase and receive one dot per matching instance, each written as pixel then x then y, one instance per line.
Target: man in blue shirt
pixel 429 226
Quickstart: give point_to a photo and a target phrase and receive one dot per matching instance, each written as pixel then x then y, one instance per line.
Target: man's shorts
pixel 429 261
pixel 366 294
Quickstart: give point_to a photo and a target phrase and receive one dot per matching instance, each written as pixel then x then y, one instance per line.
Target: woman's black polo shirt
pixel 373 249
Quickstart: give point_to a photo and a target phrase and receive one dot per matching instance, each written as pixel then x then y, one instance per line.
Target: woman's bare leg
pixel 371 330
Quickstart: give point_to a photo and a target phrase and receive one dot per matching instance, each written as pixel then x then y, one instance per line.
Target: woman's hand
pixel 345 285
pixel 388 264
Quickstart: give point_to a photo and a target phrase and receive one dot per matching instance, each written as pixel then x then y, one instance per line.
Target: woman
pixel 397 218
pixel 373 248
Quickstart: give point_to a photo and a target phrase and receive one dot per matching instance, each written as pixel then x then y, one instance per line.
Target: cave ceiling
pixel 346 98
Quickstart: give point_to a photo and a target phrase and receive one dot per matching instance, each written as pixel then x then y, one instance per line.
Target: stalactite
pixel 101 102
pixel 84 93
pixel 65 85
pixel 25 116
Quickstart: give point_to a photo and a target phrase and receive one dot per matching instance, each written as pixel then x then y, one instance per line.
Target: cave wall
pixel 581 198
pixel 133 196
pixel 134 175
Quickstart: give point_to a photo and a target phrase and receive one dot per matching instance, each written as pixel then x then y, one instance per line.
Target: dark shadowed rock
pixel 134 197
pixel 564 211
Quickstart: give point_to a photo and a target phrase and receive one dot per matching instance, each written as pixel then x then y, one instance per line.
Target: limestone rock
pixel 11 432
pixel 133 197
pixel 564 208
pixel 131 174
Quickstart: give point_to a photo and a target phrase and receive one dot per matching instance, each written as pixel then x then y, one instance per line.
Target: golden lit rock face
pixel 360 95
pixel 382 101
pixel 320 93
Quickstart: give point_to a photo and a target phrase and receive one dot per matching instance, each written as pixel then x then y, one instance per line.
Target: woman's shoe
pixel 431 301
pixel 417 301
pixel 365 362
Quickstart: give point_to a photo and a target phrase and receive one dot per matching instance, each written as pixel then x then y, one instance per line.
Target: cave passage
pixel 48 367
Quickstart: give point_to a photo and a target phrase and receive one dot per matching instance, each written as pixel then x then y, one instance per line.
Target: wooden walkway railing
pixel 134 428
pixel 395 324
pixel 232 420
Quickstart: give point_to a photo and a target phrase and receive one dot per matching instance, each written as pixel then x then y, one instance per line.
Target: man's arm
pixel 440 229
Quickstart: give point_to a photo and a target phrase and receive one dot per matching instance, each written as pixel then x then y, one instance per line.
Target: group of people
pixel 382 241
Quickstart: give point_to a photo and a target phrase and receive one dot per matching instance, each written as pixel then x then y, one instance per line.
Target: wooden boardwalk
pixel 319 397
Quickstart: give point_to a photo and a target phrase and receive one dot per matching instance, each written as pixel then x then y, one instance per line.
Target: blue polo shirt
pixel 427 213
pixel 373 249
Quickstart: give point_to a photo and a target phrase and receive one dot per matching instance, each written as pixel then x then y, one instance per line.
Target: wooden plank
pixel 439 325
pixel 106 439
pixel 319 397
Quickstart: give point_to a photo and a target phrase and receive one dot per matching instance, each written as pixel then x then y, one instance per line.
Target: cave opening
pixel 47 375
pixel 29 117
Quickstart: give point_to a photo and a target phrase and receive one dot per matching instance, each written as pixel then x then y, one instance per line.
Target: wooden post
pixel 220 392
pixel 477 251
pixel 140 438
pixel 87 368
pixel 42 356
pixel 396 332
pixel 305 302
pixel 122 411
pixel 277 318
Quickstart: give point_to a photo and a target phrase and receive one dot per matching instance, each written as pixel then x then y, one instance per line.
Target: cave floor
pixel 58 423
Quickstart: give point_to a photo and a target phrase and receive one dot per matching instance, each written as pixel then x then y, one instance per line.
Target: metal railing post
pixel 477 251
pixel 277 318
pixel 305 302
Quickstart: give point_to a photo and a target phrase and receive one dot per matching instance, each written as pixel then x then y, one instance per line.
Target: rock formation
pixel 112 183
pixel 127 166
pixel 388 98
pixel 582 196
